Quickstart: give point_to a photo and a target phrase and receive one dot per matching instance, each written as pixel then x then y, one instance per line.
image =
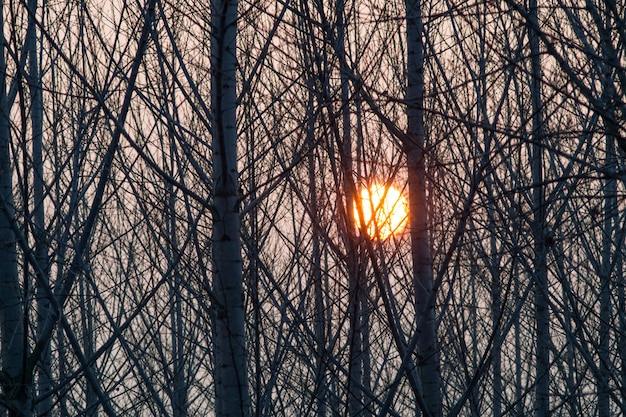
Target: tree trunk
pixel 358 325
pixel 611 217
pixel 17 396
pixel 44 367
pixel 231 382
pixel 86 296
pixel 321 381
pixel 180 388
pixel 621 341
pixel 542 313
pixel 606 269
pixel 428 355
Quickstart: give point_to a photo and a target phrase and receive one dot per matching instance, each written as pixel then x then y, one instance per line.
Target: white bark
pixel 231 382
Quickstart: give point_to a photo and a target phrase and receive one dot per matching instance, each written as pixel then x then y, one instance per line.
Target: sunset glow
pixel 385 211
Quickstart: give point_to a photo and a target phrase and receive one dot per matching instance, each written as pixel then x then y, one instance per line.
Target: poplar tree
pixel 428 356
pixel 231 382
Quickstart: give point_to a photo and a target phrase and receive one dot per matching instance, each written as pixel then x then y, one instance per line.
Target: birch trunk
pixel 428 356
pixel 231 382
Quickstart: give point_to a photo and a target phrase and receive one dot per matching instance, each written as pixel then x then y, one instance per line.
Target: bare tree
pixel 540 273
pixel 425 292
pixel 156 227
pixel 232 397
pixel 17 398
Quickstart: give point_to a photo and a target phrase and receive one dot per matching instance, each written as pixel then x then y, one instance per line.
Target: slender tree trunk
pixel 16 388
pixel 319 321
pixel 608 248
pixel 85 298
pixel 519 369
pixel 496 313
pixel 44 368
pixel 321 380
pixel 621 340
pixel 496 294
pixel 355 269
pixel 180 388
pixel 610 217
pixel 569 354
pixel 366 351
pixel 260 399
pixel 231 382
pixel 428 355
pixel 62 372
pixel 471 326
pixel 493 262
pixel 366 363
pixel 542 313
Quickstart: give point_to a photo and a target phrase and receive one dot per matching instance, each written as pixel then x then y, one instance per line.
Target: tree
pixel 414 146
pixel 540 273
pixel 231 382
pixel 177 188
pixel 19 360
pixel 17 398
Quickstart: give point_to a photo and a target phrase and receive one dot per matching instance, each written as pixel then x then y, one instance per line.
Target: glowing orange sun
pixel 385 211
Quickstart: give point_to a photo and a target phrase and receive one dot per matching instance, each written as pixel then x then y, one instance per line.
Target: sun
pixel 385 210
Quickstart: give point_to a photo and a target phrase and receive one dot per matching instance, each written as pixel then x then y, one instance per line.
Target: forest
pixel 313 208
